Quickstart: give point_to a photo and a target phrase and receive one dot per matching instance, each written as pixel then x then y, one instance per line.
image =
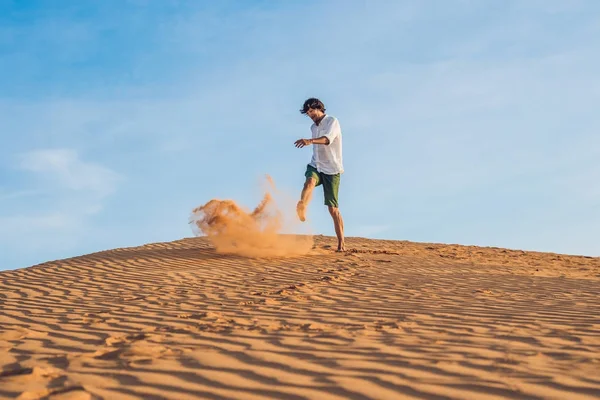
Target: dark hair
pixel 313 103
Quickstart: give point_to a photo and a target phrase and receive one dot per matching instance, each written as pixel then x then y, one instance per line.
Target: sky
pixel 464 122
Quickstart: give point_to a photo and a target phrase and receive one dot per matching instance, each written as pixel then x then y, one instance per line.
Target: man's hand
pixel 302 142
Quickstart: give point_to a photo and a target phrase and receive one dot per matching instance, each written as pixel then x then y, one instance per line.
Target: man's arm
pixel 332 130
pixel 305 142
pixel 321 140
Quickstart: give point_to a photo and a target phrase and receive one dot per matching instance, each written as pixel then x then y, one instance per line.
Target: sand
pixel 387 320
pixel 232 229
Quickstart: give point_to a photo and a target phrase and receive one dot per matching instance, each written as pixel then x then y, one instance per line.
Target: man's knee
pixel 310 183
pixel 334 211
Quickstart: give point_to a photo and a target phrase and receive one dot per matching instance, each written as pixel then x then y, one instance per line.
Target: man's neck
pixel 318 121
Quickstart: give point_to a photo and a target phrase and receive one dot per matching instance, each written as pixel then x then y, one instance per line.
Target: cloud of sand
pixel 258 233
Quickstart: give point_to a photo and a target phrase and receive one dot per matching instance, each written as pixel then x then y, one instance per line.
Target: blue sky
pixel 464 121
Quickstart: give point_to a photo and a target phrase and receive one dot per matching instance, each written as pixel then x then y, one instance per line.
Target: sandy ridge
pixel 389 319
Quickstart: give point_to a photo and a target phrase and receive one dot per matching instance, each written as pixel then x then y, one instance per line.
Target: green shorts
pixel 331 184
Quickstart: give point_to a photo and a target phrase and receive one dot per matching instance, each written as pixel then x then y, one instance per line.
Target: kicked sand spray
pixel 258 233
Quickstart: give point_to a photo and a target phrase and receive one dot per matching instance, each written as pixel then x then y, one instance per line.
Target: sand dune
pixel 388 320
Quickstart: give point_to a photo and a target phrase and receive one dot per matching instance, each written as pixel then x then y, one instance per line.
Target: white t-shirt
pixel 327 158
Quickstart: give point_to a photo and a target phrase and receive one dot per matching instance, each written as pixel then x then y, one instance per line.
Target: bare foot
pixel 341 248
pixel 301 210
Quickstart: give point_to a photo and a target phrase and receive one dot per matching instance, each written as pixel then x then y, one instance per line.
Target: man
pixel 325 166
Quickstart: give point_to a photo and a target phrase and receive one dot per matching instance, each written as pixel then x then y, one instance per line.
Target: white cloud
pixel 6 195
pixel 66 168
pixel 54 211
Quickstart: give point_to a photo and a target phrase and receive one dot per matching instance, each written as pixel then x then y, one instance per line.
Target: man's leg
pixel 305 197
pixel 338 223
pixel 331 186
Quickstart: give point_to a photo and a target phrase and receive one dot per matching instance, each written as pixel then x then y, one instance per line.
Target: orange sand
pixel 233 230
pixel 388 320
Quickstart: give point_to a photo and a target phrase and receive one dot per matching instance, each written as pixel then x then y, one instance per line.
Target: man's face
pixel 314 114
